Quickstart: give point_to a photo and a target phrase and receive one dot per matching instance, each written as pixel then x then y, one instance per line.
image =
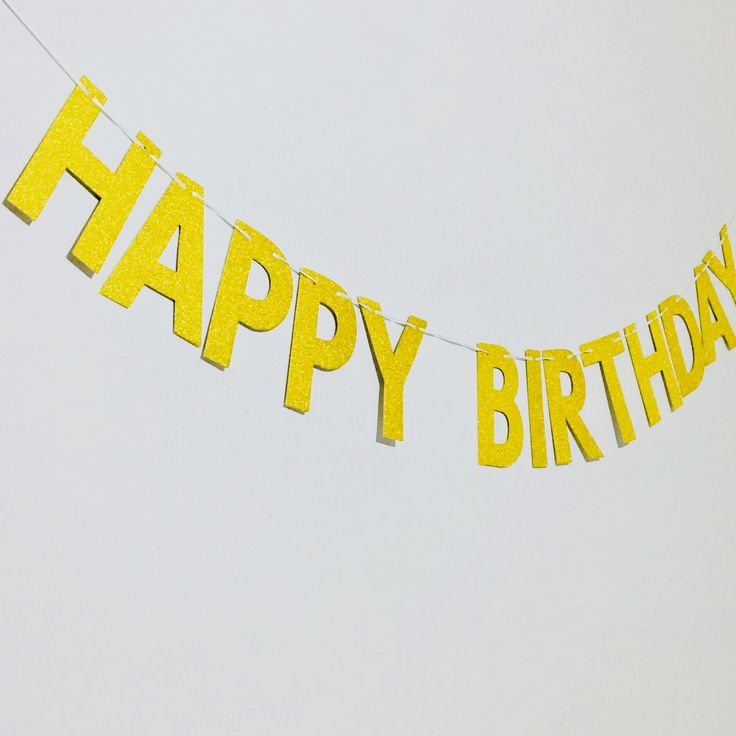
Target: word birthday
pixel 180 212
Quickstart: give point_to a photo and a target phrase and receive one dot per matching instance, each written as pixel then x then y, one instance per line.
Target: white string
pixel 297 271
pixel 39 41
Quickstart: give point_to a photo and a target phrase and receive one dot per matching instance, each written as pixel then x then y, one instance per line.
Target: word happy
pixel 180 212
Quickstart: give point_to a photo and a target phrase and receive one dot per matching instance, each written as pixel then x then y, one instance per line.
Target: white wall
pixel 181 555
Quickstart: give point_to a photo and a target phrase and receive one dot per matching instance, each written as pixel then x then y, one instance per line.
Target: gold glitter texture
pixel 392 367
pixel 714 324
pixel 725 272
pixel 177 210
pixel 564 409
pixel 497 400
pixel 602 351
pixel 234 307
pixel 535 406
pixel 309 351
pixel 677 307
pixel 647 367
pixel 62 150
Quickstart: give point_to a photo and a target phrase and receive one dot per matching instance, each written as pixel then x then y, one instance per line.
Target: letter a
pixel 180 209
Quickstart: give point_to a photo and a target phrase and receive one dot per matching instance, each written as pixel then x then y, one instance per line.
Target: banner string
pixel 233 226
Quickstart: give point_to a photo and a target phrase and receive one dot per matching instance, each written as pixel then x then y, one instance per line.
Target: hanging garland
pixel 180 212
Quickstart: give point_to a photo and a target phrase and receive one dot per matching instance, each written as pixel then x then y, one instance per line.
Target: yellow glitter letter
pixel 676 306
pixel 309 351
pixel 602 351
pixel 725 272
pixel 233 306
pixel 178 209
pixel 62 149
pixel 392 367
pixel 537 436
pixel 645 368
pixel 564 409
pixel 709 305
pixel 501 400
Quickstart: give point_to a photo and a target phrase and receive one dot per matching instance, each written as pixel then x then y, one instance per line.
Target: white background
pixel 181 555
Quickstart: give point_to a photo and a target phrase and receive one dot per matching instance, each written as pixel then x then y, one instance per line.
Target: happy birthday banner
pixel 180 211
